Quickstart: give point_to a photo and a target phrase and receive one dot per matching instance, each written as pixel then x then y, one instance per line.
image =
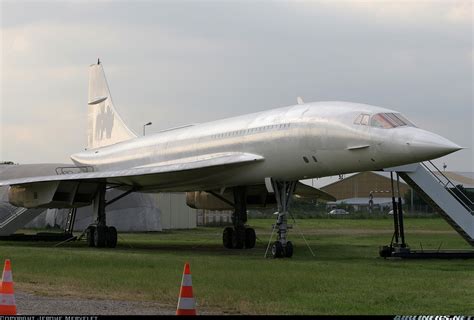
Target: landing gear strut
pixel 99 234
pixel 396 246
pixel 240 236
pixel 283 193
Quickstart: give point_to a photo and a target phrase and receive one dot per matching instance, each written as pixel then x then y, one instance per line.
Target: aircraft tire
pixel 90 236
pixel 277 249
pixel 238 238
pixel 289 249
pixel 227 237
pixel 100 236
pixel 250 238
pixel 111 236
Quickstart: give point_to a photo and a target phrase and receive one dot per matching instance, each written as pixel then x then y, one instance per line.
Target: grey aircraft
pixel 252 160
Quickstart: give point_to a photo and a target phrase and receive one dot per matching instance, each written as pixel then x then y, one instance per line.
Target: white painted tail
pixel 105 126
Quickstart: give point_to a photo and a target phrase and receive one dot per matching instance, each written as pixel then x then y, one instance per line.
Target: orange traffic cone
pixel 186 305
pixel 7 296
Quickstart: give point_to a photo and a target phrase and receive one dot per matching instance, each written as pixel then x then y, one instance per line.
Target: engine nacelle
pixel 52 194
pixel 205 200
pixel 32 195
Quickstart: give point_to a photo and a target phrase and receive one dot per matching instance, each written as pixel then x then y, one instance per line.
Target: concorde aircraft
pixel 250 160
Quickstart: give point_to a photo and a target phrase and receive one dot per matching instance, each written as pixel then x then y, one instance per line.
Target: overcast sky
pixel 180 62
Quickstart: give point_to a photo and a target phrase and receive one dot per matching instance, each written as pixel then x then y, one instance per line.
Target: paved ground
pixel 32 304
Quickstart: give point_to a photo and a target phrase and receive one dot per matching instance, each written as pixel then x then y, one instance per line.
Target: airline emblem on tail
pixel 105 126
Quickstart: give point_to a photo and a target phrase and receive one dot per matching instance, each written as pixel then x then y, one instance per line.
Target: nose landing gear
pixel 284 191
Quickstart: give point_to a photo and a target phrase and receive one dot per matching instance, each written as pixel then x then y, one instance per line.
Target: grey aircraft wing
pixel 160 174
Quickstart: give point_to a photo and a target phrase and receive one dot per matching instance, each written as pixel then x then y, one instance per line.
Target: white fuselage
pixel 297 142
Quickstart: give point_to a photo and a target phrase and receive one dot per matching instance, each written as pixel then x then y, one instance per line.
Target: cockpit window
pixel 357 120
pixel 362 119
pixel 389 120
pixel 405 120
pixel 365 120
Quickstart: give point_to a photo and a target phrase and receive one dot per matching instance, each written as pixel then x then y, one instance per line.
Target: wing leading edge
pixel 168 167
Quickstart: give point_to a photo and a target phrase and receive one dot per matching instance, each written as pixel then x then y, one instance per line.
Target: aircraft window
pixel 358 119
pixel 395 120
pixel 389 120
pixel 314 158
pixel 305 159
pixel 381 121
pixel 362 119
pixel 365 120
pixel 404 120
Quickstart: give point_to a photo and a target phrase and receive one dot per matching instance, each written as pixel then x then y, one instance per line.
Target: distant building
pixel 359 189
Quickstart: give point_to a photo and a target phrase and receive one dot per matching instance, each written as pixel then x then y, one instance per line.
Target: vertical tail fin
pixel 105 126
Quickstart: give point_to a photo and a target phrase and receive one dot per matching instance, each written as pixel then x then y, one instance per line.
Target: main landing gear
pixel 240 236
pixel 283 193
pixel 99 234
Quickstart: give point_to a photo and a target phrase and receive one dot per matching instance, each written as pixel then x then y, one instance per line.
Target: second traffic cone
pixel 186 304
pixel 7 296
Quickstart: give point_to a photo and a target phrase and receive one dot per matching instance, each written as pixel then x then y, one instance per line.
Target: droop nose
pixel 429 145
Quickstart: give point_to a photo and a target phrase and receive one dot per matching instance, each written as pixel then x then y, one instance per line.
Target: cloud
pixel 402 12
pixel 176 63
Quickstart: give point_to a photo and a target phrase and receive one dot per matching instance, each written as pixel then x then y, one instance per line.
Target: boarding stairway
pixel 17 220
pixel 443 195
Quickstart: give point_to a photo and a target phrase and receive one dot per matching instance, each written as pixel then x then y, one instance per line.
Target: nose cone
pixel 428 145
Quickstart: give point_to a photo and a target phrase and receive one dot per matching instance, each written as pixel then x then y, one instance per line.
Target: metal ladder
pixel 442 194
pixel 71 219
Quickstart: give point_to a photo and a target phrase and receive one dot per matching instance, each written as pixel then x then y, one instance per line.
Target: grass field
pixel 345 277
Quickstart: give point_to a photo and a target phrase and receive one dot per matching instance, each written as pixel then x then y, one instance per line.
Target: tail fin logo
pixel 104 123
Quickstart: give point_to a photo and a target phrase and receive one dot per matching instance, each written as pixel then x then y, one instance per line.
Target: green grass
pixel 345 277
